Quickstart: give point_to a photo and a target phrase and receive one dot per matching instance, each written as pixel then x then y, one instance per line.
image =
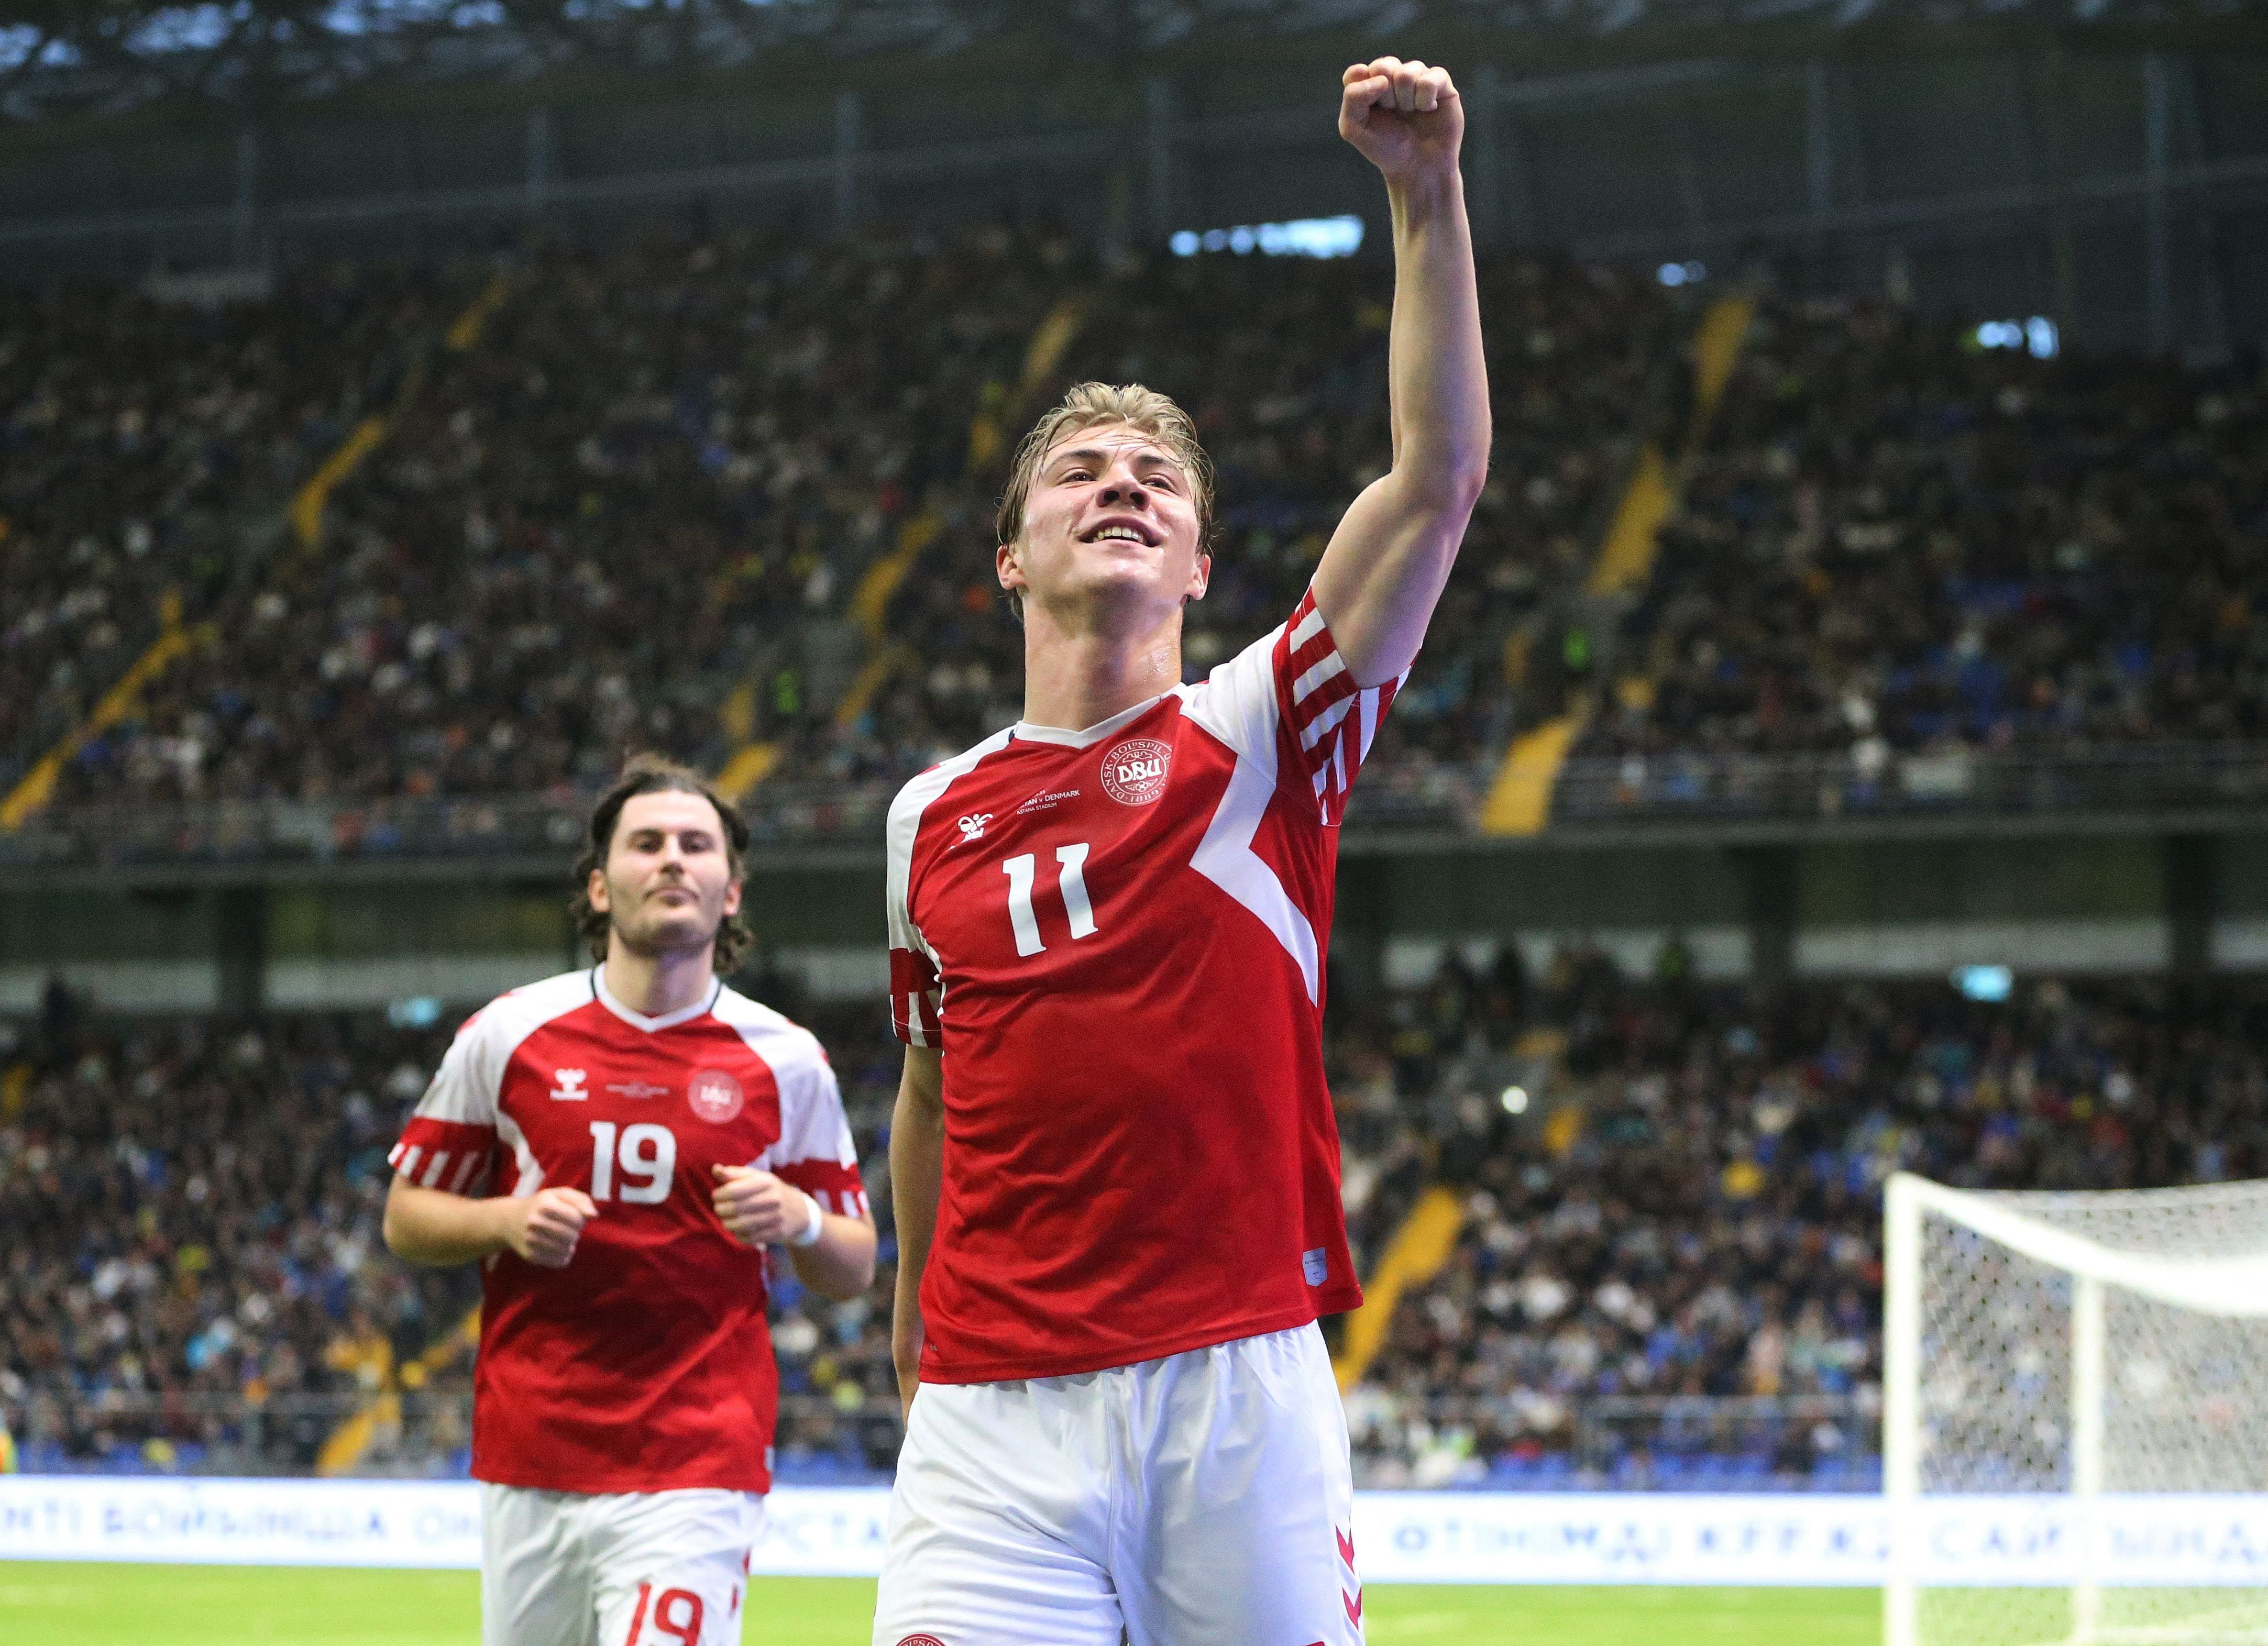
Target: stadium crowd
pixel 148 448
pixel 638 503
pixel 1684 1213
pixel 1687 1210
pixel 1897 540
pixel 702 493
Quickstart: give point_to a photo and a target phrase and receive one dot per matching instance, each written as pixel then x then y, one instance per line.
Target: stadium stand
pixel 149 447
pixel 1900 540
pixel 399 534
pixel 193 1278
pixel 722 443
pixel 1663 1272
pixel 693 495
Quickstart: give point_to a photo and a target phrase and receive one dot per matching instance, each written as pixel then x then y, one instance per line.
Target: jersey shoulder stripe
pixel 921 792
pixel 916 1000
pixel 471 1077
pixel 446 1143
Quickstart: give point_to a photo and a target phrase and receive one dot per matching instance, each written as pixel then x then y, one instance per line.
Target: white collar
pixel 1029 734
pixel 638 1019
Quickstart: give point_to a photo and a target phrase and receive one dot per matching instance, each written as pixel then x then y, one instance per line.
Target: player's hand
pixel 544 1227
pixel 758 1208
pixel 1405 118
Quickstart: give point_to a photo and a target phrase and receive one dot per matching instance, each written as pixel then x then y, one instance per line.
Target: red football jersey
pixel 1116 937
pixel 645 1364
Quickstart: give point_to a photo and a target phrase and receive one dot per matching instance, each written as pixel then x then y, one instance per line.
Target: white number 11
pixel 1070 879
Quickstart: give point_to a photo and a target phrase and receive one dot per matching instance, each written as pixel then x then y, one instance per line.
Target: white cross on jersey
pixel 1117 937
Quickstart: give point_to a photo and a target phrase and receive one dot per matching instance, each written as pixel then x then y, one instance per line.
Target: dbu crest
pixel 1134 772
pixel 716 1097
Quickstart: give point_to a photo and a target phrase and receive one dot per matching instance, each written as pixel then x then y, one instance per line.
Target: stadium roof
pixel 107 56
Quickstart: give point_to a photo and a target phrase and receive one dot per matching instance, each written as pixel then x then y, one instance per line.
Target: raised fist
pixel 1405 118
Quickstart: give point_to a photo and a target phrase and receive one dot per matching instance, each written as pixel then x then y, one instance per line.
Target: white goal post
pixel 2075 1416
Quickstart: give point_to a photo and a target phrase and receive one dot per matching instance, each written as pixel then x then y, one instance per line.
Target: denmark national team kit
pixel 1116 937
pixel 622 1405
pixel 1127 1420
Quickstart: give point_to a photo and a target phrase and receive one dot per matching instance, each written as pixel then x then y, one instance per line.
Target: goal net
pixel 2075 1416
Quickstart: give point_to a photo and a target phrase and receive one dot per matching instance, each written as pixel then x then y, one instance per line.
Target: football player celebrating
pixel 617 1147
pixel 1114 1157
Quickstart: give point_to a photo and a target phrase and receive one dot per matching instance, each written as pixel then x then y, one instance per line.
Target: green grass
pixel 232 1605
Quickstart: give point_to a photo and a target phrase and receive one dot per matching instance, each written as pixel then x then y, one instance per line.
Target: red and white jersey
pixel 645 1364
pixel 1116 936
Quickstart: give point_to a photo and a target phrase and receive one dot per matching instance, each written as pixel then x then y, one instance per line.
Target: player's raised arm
pixel 1391 554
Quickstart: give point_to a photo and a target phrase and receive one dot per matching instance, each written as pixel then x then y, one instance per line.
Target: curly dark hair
pixel 647 774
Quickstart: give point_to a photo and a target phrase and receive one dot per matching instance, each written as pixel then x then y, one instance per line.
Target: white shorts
pixel 1201 1500
pixel 615 1569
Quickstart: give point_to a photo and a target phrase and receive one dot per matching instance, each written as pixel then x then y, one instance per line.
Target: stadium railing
pixel 1595 792
pixel 1814 1441
pixel 1958 781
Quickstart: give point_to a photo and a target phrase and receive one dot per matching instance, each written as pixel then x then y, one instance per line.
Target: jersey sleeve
pixel 1289 703
pixel 450 1143
pixel 815 1151
pixel 916 997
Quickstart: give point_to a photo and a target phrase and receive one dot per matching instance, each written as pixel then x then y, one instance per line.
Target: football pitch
pixel 207 1606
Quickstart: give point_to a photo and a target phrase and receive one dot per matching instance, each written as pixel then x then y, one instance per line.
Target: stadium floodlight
pixel 1984 983
pixel 1302 237
pixel 2075 1416
pixel 2037 336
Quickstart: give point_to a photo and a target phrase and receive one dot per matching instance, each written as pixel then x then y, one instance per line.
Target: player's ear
pixel 597 890
pixel 1200 578
pixel 731 897
pixel 1007 568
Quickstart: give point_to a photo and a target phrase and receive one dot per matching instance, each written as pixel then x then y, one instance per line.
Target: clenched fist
pixel 544 1227
pixel 1405 118
pixel 757 1209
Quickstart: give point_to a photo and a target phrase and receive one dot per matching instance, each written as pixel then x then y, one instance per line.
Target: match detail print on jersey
pixel 1117 936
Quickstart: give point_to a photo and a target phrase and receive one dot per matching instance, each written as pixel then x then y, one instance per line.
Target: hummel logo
pixel 973 828
pixel 570 1088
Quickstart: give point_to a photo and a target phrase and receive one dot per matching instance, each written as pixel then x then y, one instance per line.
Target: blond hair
pixel 1089 405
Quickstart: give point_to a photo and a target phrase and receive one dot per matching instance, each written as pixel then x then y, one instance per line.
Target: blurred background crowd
pixel 1667 1269
pixel 709 493
pixel 476 529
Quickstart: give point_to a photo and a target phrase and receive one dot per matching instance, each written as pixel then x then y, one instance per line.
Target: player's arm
pixel 758 1208
pixel 916 1177
pixel 1391 555
pixel 426 1225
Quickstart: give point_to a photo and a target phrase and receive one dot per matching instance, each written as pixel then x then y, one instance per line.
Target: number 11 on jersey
pixel 1070 879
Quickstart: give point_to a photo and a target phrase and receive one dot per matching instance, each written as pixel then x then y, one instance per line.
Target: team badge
pixel 714 1094
pixel 1134 772
pixel 921 1639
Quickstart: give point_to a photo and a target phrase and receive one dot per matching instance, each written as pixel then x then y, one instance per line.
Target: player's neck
pixel 656 985
pixel 1080 673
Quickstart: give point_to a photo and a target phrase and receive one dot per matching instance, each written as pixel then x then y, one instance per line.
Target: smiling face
pixel 667 883
pixel 1112 519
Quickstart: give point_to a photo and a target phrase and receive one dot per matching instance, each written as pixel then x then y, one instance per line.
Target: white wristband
pixel 818 1225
